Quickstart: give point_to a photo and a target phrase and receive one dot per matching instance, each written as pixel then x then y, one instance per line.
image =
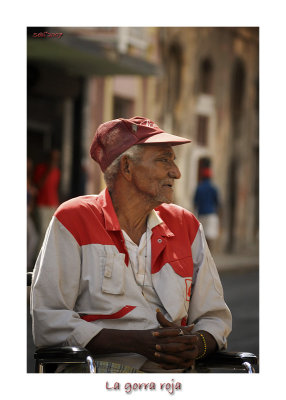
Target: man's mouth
pixel 170 185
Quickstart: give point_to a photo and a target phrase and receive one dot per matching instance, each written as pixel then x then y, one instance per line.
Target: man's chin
pixel 163 199
pixel 156 201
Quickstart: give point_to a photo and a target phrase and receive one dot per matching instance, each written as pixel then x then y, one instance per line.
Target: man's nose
pixel 174 172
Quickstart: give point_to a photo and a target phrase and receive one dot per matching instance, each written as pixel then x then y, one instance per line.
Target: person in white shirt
pixel 126 273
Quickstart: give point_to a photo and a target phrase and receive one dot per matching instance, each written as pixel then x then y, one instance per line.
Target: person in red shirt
pixel 47 179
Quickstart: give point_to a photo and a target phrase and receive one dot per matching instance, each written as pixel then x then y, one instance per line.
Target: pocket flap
pixel 113 281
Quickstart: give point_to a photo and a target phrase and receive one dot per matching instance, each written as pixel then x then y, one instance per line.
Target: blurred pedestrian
pixel 207 206
pixel 47 179
pixel 32 234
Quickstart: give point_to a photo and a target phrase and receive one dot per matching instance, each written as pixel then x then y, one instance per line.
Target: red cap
pixel 114 137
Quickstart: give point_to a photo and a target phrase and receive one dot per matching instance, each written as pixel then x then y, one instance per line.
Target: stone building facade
pixel 209 92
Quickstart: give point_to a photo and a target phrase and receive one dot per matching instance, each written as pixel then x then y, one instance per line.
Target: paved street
pixel 241 289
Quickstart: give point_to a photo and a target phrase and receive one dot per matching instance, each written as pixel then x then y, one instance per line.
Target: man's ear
pixel 125 167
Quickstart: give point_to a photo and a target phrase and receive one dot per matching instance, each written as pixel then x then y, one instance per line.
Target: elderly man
pixel 125 273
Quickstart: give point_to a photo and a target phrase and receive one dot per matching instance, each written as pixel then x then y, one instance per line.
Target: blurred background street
pixel 200 83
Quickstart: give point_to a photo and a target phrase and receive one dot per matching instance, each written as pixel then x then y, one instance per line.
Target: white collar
pixel 153 220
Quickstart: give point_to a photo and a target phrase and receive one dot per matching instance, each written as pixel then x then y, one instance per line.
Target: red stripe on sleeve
pixel 119 314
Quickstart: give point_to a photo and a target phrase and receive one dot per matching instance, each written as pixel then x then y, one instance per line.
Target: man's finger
pixel 173 332
pixel 176 347
pixel 163 321
pixel 168 324
pixel 185 355
pixel 179 362
pixel 168 359
pixel 164 333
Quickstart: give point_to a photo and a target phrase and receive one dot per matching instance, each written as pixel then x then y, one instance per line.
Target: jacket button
pixel 159 240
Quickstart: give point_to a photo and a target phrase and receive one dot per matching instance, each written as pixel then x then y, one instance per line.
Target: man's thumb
pixel 163 321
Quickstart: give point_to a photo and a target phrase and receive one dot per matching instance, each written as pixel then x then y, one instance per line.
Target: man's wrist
pixel 207 343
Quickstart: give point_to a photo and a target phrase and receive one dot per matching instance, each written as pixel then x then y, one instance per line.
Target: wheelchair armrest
pixel 226 359
pixel 61 354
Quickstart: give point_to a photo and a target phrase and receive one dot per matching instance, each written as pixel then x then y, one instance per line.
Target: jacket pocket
pixel 113 266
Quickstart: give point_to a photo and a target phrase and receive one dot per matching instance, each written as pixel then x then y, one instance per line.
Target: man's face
pixel 154 175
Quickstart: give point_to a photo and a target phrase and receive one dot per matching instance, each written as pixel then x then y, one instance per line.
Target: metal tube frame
pixel 89 361
pixel 249 368
pixel 91 365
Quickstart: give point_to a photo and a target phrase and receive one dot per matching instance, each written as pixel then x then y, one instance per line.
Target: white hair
pixel 111 172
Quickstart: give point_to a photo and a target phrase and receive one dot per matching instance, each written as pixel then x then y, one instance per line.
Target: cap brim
pixel 164 137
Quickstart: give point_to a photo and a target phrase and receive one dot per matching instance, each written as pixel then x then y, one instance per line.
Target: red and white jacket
pixel 82 282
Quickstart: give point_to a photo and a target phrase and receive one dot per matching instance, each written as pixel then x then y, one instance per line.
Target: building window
pixel 202 130
pixel 206 77
pixel 122 108
pixel 238 88
pixel 174 76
